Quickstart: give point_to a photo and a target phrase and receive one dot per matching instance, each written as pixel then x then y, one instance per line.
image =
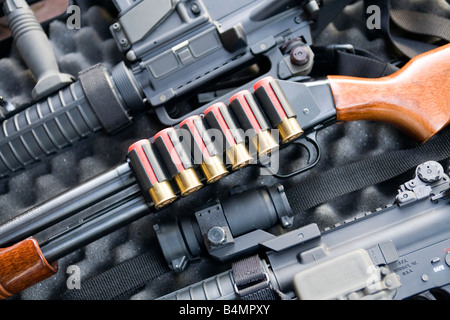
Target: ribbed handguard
pixel 220 287
pixel 99 100
pixel 45 128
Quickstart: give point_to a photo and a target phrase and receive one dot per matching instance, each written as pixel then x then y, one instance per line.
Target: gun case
pixel 77 49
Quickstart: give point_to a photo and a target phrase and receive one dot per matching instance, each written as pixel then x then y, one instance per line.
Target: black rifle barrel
pixel 66 204
pixel 132 206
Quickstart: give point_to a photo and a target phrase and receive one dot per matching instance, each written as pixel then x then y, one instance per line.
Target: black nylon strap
pixel 422 23
pixel 371 171
pixel 363 65
pixel 251 280
pixel 415 23
pixel 328 12
pixel 349 61
pixel 122 280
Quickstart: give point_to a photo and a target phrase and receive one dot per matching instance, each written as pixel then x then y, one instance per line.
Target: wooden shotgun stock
pixel 415 99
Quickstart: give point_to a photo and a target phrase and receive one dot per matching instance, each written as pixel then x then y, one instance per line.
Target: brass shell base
pixel 213 169
pixel 289 130
pixel 238 156
pixel 265 144
pixel 162 194
pixel 188 182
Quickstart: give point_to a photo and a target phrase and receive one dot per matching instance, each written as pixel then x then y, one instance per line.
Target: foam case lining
pixel 76 50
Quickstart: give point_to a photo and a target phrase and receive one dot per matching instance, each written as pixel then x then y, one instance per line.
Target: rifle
pixel 171 48
pixel 395 252
pixel 144 185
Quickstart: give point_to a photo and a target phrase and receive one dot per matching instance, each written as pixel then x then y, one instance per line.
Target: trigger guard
pixel 309 142
pixel 314 151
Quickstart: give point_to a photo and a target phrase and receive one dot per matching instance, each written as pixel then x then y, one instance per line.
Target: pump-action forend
pixel 160 169
pixel 392 253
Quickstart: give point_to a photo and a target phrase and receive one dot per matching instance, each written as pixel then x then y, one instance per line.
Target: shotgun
pixel 416 99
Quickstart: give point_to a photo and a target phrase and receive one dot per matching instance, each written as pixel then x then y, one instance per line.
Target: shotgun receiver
pixel 294 112
pixel 164 167
pixel 393 253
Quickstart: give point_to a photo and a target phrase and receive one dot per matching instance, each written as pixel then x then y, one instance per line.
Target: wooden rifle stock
pixel 21 266
pixel 416 99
